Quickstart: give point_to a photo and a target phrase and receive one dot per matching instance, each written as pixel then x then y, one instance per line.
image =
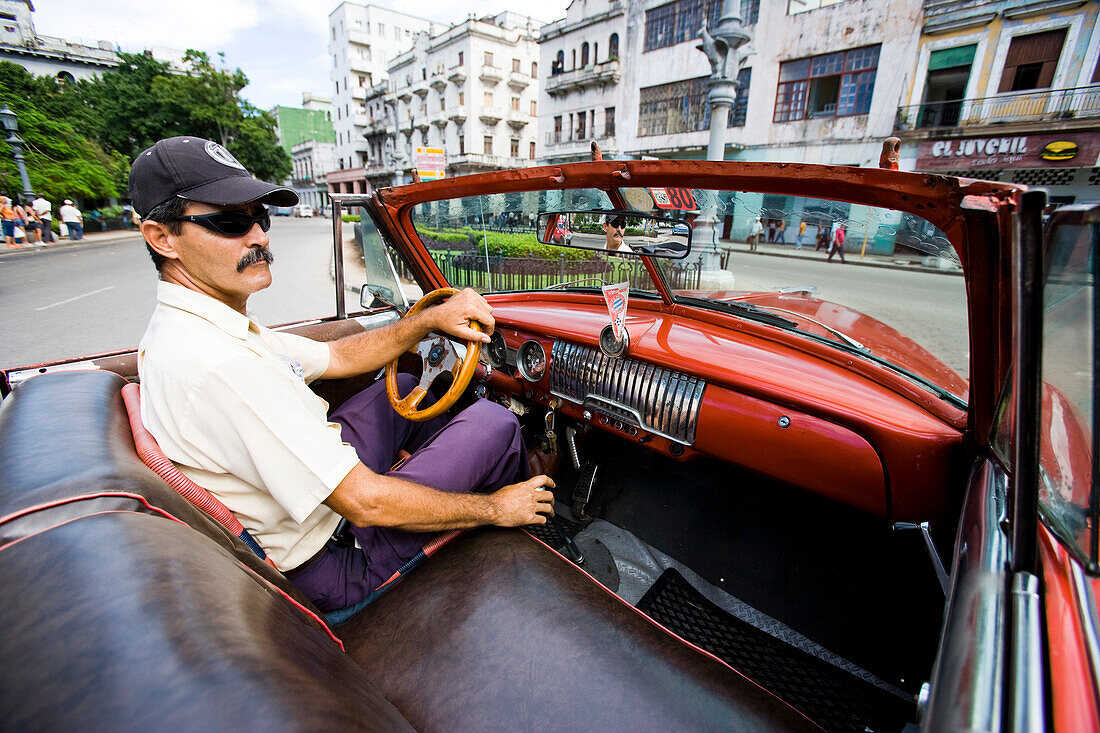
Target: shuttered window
pixel 1032 61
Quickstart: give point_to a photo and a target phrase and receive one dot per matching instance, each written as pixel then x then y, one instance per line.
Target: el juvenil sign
pixel 1069 150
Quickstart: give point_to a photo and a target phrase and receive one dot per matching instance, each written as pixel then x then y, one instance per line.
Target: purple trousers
pixel 478 450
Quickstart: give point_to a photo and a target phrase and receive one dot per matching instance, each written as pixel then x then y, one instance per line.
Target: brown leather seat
pixel 498 632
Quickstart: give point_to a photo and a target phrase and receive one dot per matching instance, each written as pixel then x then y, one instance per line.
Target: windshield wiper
pixel 744 310
pixel 802 316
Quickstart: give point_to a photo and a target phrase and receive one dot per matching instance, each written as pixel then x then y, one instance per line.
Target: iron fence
pixel 1044 105
pixel 468 269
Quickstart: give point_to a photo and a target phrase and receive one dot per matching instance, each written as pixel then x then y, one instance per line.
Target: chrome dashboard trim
pixel 661 401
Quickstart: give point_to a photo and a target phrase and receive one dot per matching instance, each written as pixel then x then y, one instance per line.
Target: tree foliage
pixel 80 137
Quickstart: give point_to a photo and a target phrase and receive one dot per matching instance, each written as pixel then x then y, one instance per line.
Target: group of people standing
pixel 32 222
pixel 830 239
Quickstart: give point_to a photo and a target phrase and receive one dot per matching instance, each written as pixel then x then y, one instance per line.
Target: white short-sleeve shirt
pixel 228 402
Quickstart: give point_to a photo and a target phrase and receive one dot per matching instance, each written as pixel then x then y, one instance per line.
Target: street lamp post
pixel 11 126
pixel 722 48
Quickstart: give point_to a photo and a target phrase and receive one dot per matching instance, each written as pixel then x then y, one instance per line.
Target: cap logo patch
pixel 220 154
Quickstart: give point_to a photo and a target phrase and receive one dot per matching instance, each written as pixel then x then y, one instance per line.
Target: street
pixel 95 298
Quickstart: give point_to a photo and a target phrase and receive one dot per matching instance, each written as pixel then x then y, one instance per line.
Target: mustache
pixel 255 256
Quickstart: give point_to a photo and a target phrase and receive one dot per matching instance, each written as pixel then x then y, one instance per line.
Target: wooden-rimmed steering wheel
pixel 437 357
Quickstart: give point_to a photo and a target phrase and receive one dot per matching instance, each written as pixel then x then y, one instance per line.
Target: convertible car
pixel 792 494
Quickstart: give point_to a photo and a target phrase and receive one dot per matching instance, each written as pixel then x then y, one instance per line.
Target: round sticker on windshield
pixel 220 154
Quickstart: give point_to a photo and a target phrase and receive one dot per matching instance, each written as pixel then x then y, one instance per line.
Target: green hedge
pixel 504 244
pixel 350 217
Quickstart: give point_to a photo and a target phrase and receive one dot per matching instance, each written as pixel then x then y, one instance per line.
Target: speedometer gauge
pixel 531 360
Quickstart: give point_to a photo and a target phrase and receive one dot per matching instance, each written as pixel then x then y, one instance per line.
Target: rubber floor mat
pixel 550 534
pixel 831 697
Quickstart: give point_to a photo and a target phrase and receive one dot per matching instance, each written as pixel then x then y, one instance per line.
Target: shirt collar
pixel 205 307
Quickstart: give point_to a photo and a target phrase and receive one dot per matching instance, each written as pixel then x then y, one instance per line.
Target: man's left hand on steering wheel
pixel 463 315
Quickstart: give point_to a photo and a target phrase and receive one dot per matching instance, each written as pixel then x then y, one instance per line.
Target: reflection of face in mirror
pixel 613 228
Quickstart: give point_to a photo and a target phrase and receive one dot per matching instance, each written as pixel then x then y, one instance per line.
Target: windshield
pixel 874 281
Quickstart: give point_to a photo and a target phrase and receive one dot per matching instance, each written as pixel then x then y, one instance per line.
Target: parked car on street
pixel 778 510
pixel 280 210
pixel 303 211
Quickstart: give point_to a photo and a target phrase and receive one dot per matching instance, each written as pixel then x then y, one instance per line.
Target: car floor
pixel 835 582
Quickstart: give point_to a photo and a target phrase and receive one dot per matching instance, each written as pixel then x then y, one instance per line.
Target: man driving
pixel 228 401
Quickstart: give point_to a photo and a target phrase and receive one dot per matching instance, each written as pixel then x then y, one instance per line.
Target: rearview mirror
pixel 616 231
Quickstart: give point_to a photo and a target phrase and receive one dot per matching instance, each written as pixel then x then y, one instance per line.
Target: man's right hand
pixel 527 502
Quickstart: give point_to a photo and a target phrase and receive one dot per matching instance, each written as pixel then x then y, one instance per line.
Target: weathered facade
pixel 362 40
pixel 814 83
pixel 471 90
pixel 1007 91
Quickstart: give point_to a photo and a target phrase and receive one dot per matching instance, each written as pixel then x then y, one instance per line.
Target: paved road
pixel 82 300
pixel 928 307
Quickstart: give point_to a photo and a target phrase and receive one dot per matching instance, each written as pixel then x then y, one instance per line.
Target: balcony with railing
pixel 560 143
pixel 606 72
pixel 491 115
pixel 491 74
pixel 1047 105
pixel 456 75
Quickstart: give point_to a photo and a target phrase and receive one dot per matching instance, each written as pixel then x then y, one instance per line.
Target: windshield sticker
pixel 616 297
pixel 673 198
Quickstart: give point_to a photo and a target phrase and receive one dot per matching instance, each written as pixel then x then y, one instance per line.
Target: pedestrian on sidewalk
pixel 801 235
pixel 33 226
pixel 754 234
pixel 781 233
pixel 822 238
pixel 128 215
pixel 771 231
pixel 73 219
pixel 7 220
pixel 837 246
pixel 43 208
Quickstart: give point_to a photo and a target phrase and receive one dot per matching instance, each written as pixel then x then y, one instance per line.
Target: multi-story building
pixel 307 136
pixel 471 90
pixel 1009 91
pixel 42 55
pixel 362 40
pixel 311 160
pixel 629 75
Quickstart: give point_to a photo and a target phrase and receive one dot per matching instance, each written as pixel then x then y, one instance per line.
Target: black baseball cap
pixel 197 170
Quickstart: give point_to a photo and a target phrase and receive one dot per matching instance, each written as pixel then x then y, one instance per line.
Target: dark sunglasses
pixel 618 222
pixel 230 223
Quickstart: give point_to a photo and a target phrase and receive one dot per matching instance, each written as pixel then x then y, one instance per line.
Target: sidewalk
pixel 912 263
pixel 119 235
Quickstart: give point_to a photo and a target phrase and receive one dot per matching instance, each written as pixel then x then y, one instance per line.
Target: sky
pixel 279 44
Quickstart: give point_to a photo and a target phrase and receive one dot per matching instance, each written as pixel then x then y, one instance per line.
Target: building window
pixel 515 65
pixel 515 148
pixel 487 99
pixel 381 29
pixel 487 144
pixel 424 138
pixel 461 144
pixel 461 98
pixel 584 54
pixel 794 7
pixel 488 61
pixel 362 80
pixel 559 64
pixel 613 47
pixel 609 122
pixel 750 11
pixel 679 21
pixel 531 153
pixel 1032 61
pixel 515 104
pixel 534 108
pixel 442 102
pixel 831 85
pixel 460 58
pixel 534 70
pixel 556 137
pixel 581 127
pixel 741 106
pixel 677 107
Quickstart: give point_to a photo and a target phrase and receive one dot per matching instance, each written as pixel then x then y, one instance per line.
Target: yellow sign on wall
pixel 431 163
